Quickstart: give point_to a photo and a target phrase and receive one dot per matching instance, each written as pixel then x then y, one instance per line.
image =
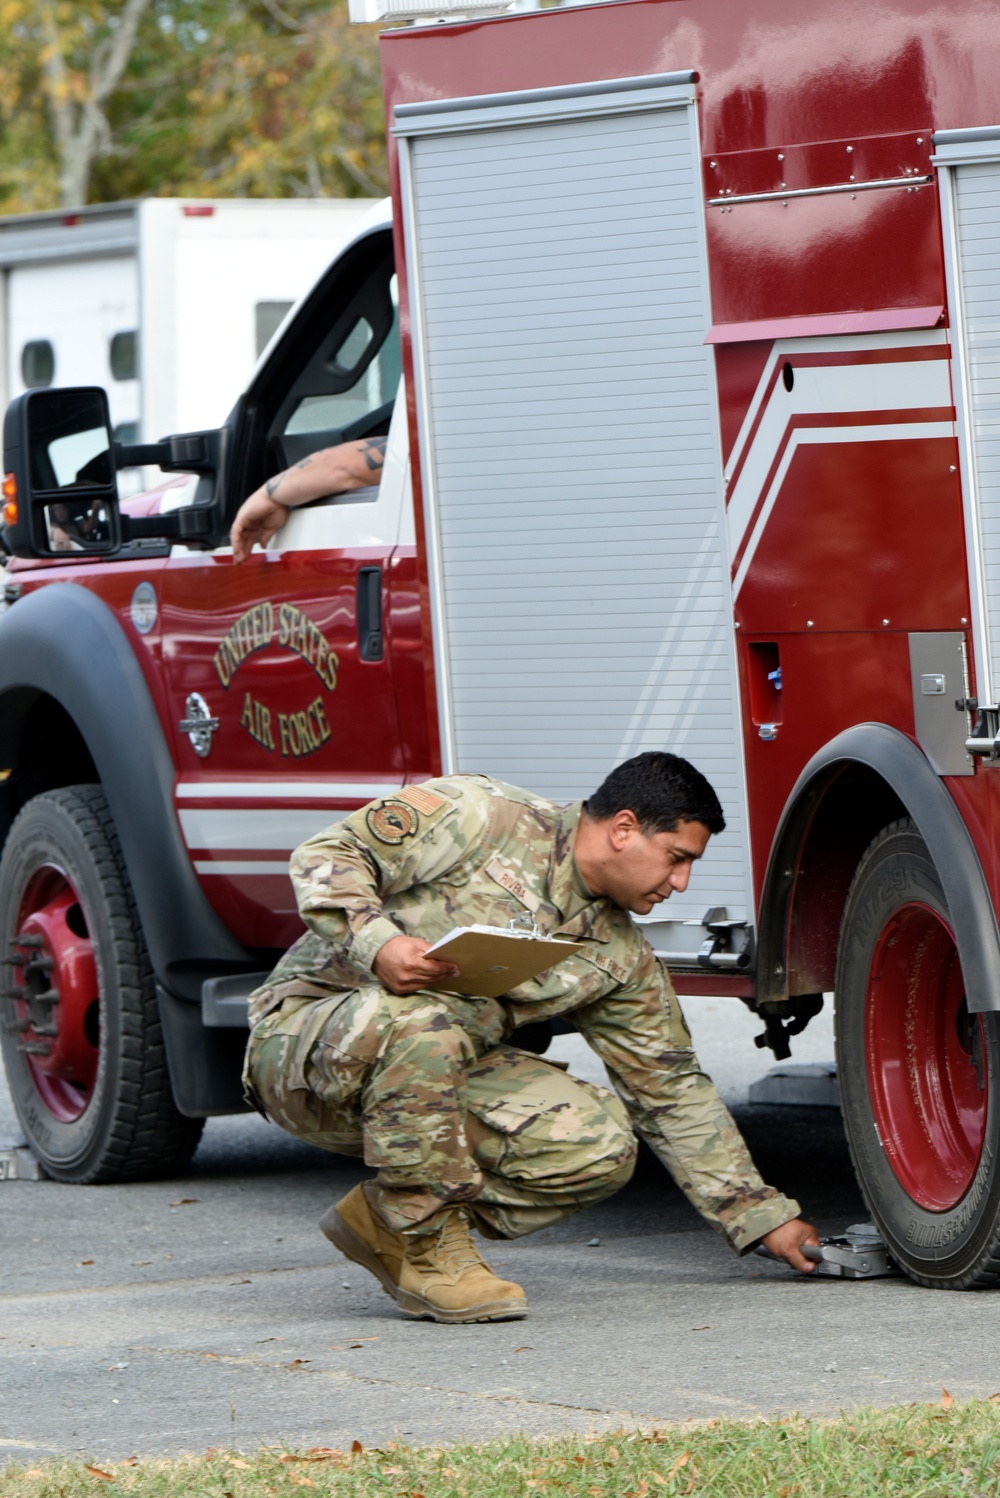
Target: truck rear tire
pixel 919 1075
pixel 81 1036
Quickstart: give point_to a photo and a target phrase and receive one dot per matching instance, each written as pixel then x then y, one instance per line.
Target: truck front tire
pixel 919 1075
pixel 81 1035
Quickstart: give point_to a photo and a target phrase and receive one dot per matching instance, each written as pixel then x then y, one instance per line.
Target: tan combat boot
pixel 443 1277
pixel 437 1275
pixel 362 1237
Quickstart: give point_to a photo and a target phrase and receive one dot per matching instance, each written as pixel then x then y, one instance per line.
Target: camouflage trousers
pixel 423 1088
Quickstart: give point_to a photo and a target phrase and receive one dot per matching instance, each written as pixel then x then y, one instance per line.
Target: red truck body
pixel 696 319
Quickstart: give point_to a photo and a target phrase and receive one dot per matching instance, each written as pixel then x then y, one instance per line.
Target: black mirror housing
pixel 60 490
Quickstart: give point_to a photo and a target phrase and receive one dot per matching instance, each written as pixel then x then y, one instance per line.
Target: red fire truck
pixel 694 315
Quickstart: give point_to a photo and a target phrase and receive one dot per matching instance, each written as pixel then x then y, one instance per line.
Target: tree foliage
pixel 109 99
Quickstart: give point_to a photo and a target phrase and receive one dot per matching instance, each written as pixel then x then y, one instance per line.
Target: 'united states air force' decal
pixel 392 821
pixel 304 730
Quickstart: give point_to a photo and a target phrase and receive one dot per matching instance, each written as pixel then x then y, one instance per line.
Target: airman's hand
pixel 786 1243
pixel 401 967
pixel 258 519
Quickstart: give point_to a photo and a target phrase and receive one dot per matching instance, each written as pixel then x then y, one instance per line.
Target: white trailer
pixel 166 302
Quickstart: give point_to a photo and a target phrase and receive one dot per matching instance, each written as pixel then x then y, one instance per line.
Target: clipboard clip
pixel 524 924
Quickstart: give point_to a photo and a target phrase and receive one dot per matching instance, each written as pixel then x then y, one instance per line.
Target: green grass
pixel 949 1449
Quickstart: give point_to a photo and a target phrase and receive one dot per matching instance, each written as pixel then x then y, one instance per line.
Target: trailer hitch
pixel 858 1254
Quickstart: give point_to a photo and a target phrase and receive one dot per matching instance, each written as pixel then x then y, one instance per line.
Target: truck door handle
pixel 370 641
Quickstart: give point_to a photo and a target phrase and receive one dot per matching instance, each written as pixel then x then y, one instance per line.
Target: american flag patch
pixel 422 799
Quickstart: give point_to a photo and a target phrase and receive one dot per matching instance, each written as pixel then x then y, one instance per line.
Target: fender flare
pixel 907 772
pixel 51 642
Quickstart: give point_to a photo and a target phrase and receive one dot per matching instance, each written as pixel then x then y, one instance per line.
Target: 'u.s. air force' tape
pixel 859 1254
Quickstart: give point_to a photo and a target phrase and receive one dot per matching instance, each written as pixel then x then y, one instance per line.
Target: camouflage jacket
pixel 465 849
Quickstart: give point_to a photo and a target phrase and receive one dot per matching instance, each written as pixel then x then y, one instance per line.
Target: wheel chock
pixel 858 1254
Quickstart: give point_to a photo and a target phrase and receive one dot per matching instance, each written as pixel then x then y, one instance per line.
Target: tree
pixel 77 98
pixel 107 99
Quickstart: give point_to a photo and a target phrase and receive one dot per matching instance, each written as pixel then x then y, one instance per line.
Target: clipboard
pixel 492 959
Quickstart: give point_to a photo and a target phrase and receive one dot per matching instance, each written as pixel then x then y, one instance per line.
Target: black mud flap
pixel 205 1064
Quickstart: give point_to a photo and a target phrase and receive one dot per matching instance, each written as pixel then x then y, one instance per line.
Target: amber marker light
pixel 9 491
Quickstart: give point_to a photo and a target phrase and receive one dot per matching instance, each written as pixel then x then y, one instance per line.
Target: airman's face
pixel 646 869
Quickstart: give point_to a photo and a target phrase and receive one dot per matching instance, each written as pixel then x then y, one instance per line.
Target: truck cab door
pixel 279 671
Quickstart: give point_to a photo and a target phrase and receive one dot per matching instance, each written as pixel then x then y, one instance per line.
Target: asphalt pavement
pixel 209 1311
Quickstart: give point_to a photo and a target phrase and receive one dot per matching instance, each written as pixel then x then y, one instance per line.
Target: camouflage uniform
pixel 425 1087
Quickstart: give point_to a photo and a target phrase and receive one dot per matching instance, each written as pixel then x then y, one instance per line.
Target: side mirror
pixel 60 491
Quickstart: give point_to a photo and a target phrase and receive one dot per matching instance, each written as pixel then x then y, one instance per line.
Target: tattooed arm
pixel 333 470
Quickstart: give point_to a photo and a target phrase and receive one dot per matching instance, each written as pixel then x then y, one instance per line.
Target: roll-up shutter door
pixel 570 448
pixel 976 187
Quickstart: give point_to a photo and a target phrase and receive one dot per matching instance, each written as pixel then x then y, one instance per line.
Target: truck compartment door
pixel 968 164
pixel 570 450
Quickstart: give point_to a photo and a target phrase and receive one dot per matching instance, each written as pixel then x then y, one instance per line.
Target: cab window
pixel 333 374
pixel 376 373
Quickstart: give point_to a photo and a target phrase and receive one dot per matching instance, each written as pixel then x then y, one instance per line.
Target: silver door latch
pixel 858 1254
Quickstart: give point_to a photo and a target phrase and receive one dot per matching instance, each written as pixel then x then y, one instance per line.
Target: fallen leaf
pixel 525 1348
pixel 612 1454
pixel 581 1461
pixel 36 1472
pixel 946 1399
pixel 97 1472
pixel 236 1461
pixel 214 1355
pixel 83 1262
pixel 701 1328
pixel 355 1345
pixel 301 1482
pixel 356 1447
pixel 324 1453
pixel 681 1461
pixel 392 1471
pixel 661 1480
pixel 226 1493
pixel 185 1201
pixel 297 1362
pixel 129 1461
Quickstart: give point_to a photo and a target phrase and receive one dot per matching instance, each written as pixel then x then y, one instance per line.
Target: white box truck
pixel 167 302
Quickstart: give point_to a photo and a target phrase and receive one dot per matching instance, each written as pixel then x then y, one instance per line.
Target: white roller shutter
pixel 570 447
pixel 971 211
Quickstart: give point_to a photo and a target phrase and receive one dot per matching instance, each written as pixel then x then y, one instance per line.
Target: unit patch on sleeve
pixel 423 799
pixel 392 821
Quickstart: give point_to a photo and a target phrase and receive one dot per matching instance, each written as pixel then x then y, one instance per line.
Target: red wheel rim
pixel 926 1059
pixel 56 1005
